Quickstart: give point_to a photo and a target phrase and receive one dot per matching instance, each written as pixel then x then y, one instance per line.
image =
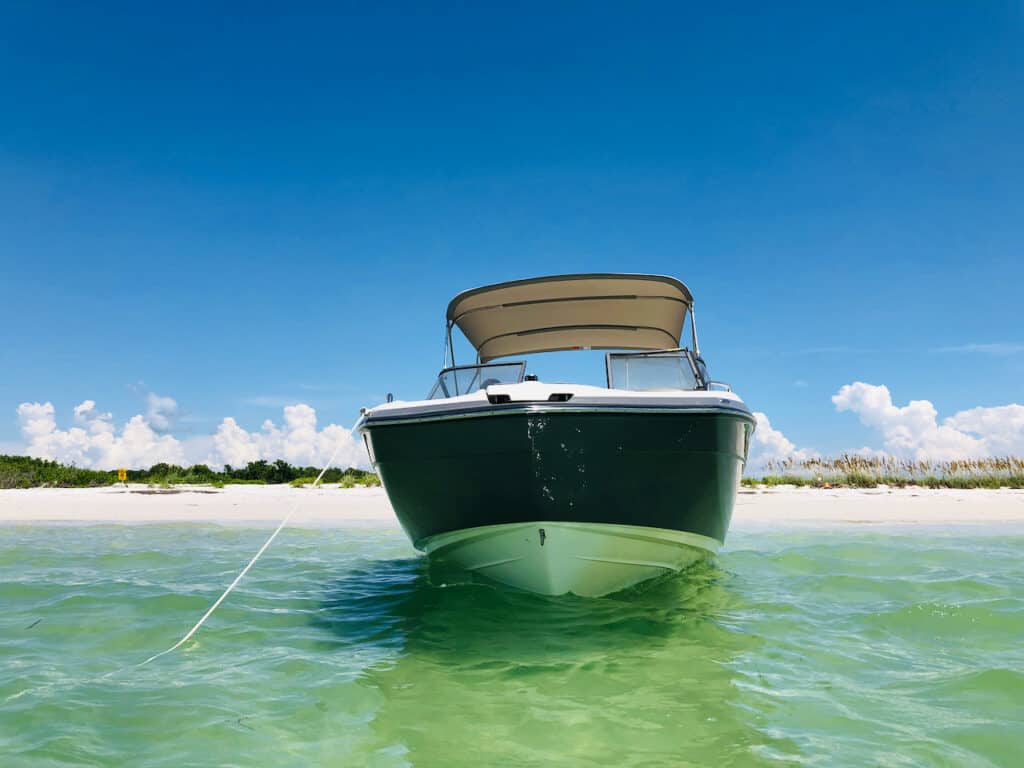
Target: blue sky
pixel 241 207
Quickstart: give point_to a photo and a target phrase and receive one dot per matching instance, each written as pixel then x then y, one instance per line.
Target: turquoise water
pixel 844 646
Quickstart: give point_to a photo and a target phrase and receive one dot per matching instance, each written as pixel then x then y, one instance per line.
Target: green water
pixel 845 646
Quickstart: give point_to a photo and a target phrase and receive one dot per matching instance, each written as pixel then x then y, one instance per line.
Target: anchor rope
pixel 241 574
pixel 209 611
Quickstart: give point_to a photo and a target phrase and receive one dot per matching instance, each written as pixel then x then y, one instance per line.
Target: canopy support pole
pixel 693 330
pixel 449 346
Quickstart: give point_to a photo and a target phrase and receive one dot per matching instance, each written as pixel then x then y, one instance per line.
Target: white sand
pixel 331 505
pixel 817 506
pixel 231 504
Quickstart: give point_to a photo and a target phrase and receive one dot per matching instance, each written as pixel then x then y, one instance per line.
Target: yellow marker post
pixel 122 475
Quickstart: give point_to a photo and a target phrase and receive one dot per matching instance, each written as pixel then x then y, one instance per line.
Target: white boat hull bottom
pixel 586 559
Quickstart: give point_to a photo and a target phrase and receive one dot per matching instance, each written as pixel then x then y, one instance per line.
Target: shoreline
pixel 332 506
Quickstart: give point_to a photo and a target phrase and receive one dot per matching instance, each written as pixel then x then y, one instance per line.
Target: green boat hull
pixel 676 470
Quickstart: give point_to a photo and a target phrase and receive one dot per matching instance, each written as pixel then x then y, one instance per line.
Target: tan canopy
pixel 597 311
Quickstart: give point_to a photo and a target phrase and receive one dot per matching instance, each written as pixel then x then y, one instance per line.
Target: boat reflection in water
pixel 479 675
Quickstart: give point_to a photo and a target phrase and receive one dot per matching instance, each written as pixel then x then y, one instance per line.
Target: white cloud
pixel 913 431
pixel 1001 428
pixel 161 411
pixel 84 409
pixel 297 441
pixel 232 445
pixel 95 441
pixel 94 422
pixel 770 444
pixel 37 420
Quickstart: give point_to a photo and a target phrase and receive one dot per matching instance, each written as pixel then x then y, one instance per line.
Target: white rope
pixel 244 571
pixel 209 612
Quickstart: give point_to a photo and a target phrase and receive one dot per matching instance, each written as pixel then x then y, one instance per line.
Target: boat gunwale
pixel 510 409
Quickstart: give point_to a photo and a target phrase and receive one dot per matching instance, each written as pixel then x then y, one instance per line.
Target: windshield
pixel 652 371
pixel 466 379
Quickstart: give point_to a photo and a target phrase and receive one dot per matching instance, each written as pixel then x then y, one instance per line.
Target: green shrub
pixel 28 472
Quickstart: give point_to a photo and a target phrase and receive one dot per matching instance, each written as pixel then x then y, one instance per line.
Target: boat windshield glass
pixel 466 379
pixel 646 371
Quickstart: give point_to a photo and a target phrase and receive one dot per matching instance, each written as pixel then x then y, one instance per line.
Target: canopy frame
pixel 675 291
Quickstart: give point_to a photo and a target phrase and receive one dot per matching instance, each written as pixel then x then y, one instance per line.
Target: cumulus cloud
pixel 1000 428
pixel 161 411
pixel 913 431
pixel 770 444
pixel 92 420
pixel 233 445
pixel 95 442
pixel 297 441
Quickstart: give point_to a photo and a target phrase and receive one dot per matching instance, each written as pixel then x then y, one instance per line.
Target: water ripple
pixel 344 647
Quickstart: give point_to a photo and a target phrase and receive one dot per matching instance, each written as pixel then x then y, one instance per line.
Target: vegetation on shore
pixel 28 472
pixel 870 472
pixel 844 472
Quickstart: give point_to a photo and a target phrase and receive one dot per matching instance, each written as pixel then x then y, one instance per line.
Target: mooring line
pixel 244 571
pixel 209 612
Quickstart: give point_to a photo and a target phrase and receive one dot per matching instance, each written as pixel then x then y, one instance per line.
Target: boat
pixel 555 487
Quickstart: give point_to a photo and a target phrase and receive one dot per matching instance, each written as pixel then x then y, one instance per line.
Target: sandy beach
pixel 331 505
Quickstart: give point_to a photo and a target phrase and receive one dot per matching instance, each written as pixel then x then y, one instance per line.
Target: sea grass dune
pixel 884 470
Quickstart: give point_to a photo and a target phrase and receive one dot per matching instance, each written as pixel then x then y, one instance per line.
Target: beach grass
pixel 852 471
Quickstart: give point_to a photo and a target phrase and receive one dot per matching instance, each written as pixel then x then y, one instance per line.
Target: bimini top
pixel 596 311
